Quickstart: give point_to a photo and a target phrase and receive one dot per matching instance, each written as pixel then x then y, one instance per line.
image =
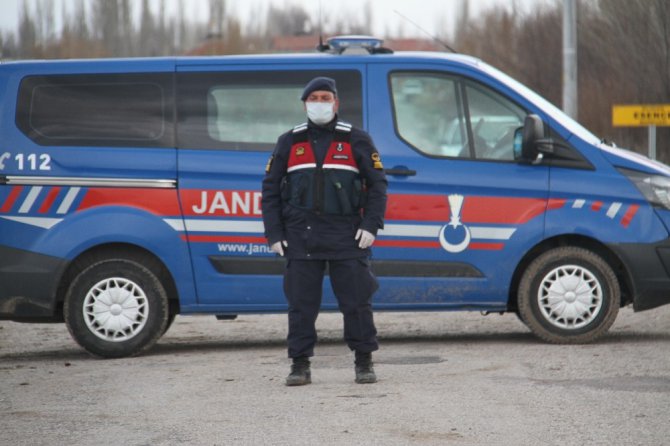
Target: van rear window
pixel 249 110
pixel 96 110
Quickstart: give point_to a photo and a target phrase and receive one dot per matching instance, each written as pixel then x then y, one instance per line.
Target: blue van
pixel 130 193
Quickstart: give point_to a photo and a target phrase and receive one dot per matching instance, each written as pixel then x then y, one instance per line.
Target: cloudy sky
pixel 428 14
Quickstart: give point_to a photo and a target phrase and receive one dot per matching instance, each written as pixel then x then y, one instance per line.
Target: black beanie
pixel 319 84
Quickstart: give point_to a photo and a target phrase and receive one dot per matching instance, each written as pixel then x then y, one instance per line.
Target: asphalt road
pixel 444 378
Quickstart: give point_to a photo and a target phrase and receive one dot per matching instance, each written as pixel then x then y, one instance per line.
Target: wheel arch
pixel 620 270
pixel 124 251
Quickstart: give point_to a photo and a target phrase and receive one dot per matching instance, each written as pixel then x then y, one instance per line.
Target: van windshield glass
pixel 566 121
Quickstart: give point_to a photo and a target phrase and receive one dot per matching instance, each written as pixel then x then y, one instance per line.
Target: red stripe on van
pixel 486 246
pixel 11 199
pixel 555 203
pixel 224 239
pixel 378 243
pixel 406 244
pixel 157 201
pixel 628 216
pixel 500 210
pixel 49 200
pixel 430 244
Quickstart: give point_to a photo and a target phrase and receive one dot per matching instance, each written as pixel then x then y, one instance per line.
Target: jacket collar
pixel 326 127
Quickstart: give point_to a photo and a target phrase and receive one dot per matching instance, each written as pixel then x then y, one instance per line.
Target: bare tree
pixel 106 25
pixel 148 45
pixel 27 33
pixel 8 47
pixel 45 23
pixel 217 9
pixel 289 21
pixel 181 36
pixel 80 22
pixel 126 32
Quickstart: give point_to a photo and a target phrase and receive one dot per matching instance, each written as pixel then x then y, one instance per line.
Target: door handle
pixel 400 170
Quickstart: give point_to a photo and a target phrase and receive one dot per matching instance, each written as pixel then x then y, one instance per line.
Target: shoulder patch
pixel 300 128
pixel 376 161
pixel 343 126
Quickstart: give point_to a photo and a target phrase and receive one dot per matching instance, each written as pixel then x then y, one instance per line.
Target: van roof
pixel 167 63
pixel 413 55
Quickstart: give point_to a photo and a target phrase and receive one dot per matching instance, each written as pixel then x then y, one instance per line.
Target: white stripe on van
pixel 68 200
pixel 578 204
pixel 483 232
pixel 30 199
pixel 193 225
pixel 433 231
pixel 612 211
pixel 390 230
pixel 394 230
pixel 175 223
pixel 40 222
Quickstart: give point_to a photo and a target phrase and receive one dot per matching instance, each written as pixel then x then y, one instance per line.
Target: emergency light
pixel 340 44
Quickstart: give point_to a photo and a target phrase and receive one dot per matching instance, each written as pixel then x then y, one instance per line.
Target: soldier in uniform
pixel 324 197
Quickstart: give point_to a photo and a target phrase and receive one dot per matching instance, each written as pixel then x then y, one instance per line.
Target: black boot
pixel 365 374
pixel 300 373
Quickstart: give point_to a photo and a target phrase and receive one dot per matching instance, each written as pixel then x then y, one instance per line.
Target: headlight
pixel 655 188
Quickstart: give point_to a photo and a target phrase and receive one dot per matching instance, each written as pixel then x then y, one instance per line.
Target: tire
pixel 569 295
pixel 116 308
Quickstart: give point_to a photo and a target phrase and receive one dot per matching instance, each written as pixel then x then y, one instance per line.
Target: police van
pixel 130 193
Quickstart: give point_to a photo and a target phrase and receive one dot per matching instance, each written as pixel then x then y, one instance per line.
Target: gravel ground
pixel 444 378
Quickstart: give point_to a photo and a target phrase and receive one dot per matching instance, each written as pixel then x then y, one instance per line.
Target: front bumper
pixel 28 285
pixel 648 267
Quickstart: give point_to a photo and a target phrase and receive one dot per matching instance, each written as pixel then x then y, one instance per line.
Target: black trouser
pixel 353 284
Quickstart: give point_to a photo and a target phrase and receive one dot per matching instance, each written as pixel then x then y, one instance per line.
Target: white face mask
pixel 320 112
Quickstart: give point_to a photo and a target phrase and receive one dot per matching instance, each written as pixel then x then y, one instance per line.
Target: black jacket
pixel 311 235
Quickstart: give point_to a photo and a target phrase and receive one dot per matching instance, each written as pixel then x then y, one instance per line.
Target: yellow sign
pixel 641 115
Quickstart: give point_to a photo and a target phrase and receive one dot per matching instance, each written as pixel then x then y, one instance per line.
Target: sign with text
pixel 641 115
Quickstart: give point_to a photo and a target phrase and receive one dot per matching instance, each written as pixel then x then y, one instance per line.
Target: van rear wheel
pixel 569 295
pixel 116 308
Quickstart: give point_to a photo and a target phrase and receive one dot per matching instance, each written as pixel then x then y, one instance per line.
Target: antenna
pixel 321 47
pixel 444 44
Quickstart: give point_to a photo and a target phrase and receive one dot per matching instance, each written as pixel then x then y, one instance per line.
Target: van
pixel 130 193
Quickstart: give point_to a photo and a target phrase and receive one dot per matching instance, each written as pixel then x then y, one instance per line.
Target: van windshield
pixel 566 121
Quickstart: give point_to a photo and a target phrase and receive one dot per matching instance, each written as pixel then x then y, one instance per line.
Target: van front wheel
pixel 116 308
pixel 569 295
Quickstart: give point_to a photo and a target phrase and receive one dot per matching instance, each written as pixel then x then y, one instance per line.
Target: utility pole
pixel 570 58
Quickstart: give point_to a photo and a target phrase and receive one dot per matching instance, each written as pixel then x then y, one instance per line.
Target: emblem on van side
pixel 455 236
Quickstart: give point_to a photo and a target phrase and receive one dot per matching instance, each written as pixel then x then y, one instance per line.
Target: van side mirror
pixel 530 145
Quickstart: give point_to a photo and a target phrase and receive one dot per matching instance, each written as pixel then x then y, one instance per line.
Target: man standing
pixel 324 197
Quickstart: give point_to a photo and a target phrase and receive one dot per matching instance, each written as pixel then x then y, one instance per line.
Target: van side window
pixel 493 119
pixel 249 110
pixel 444 116
pixel 429 113
pixel 121 110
